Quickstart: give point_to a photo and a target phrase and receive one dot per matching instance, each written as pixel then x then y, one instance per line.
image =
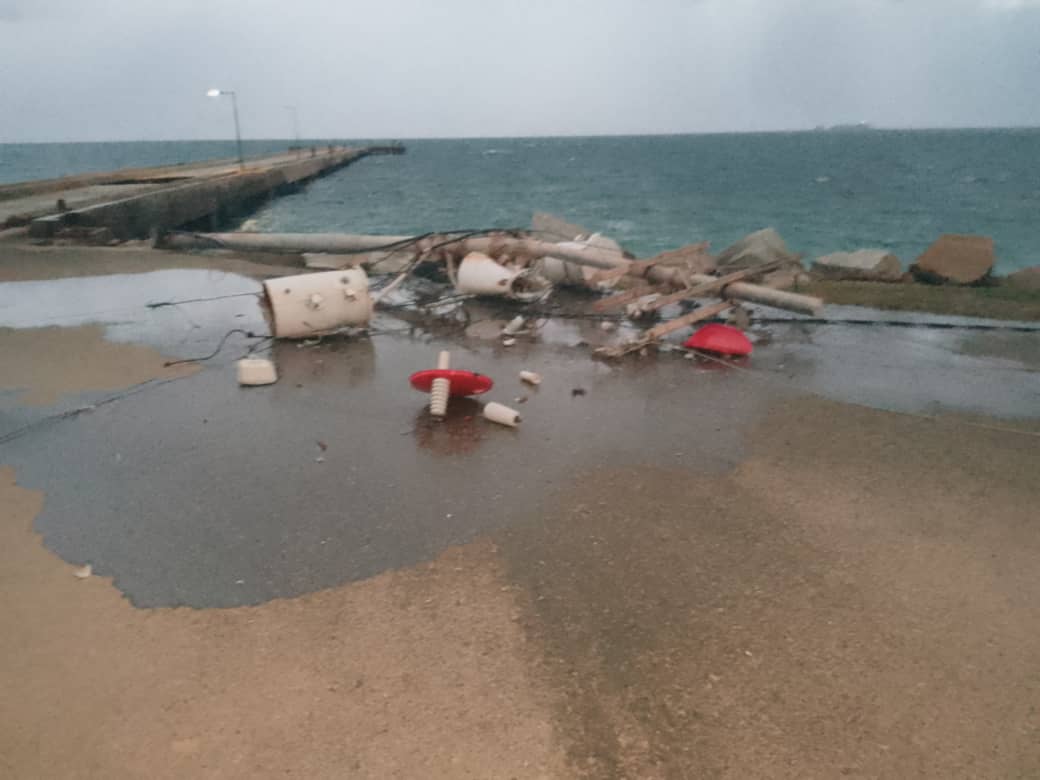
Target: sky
pixel 85 70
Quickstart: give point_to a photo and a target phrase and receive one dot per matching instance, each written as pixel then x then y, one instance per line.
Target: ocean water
pixel 824 192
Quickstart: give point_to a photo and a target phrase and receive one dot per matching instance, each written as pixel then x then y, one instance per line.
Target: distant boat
pixel 859 127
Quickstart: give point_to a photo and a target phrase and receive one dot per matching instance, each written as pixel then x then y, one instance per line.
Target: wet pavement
pixel 200 493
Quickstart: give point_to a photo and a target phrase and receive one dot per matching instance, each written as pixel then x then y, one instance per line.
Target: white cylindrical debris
pixel 531 378
pixel 514 326
pixel 441 388
pixel 311 304
pixel 560 271
pixel 501 414
pixel 256 371
pixel 480 275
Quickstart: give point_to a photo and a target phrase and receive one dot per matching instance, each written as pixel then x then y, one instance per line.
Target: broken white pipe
pixel 607 260
pixel 440 390
pixel 531 378
pixel 514 326
pixel 766 296
pixel 328 243
pixel 501 414
pixel 312 304
pixel 479 274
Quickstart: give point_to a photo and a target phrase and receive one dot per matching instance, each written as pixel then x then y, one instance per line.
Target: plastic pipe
pixel 441 388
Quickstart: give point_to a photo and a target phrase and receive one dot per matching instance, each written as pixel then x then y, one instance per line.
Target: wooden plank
pixel 707 288
pixel 648 337
pixel 619 300
pixel 703 313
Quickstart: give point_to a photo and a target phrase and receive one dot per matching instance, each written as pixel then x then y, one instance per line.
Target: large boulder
pixel 692 257
pixel 955 259
pixel 759 248
pixel 871 265
pixel 1026 279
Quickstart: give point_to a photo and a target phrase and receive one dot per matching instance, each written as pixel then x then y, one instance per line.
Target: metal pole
pixel 238 132
pixel 295 123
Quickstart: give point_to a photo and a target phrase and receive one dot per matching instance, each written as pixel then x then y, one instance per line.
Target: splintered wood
pixel 662 330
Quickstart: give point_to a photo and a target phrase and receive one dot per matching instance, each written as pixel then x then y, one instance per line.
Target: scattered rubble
pixel 955 259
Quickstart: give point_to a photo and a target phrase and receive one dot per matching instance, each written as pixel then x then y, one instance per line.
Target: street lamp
pixel 215 93
pixel 296 124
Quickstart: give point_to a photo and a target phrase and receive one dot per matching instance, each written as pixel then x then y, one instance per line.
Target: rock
pixel 955 259
pixel 552 228
pixel 764 246
pixel 790 277
pixel 871 265
pixel 693 257
pixel 1026 279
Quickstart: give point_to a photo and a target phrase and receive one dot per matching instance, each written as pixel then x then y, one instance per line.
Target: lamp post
pixel 295 123
pixel 215 93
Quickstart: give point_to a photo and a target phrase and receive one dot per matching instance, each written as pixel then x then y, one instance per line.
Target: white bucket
pixel 311 304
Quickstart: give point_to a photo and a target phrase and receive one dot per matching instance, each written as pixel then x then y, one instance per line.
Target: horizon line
pixel 326 139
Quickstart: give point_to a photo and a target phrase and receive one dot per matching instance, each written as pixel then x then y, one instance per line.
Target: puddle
pixel 120 302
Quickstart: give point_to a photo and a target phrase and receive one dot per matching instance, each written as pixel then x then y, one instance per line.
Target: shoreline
pixel 26 261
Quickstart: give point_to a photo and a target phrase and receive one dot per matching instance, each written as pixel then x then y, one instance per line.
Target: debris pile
pixel 655 297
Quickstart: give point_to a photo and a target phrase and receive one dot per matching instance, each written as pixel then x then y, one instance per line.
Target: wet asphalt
pixel 201 493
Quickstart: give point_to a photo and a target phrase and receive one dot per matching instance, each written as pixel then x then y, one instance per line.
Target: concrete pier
pixel 132 203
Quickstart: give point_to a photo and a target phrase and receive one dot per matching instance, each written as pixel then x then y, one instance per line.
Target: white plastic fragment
pixel 83 572
pixel 501 414
pixel 514 326
pixel 531 378
pixel 256 371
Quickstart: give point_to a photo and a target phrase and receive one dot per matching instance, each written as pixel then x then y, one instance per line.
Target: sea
pixel 825 191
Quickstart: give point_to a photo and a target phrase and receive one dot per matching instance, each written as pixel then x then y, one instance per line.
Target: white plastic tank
pixel 312 304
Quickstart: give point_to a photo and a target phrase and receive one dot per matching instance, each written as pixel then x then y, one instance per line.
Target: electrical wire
pixel 248 334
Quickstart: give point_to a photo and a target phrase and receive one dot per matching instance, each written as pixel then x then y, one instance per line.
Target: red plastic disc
pixel 720 339
pixel 462 382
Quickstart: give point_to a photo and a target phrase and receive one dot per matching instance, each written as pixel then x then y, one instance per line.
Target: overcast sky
pixel 139 69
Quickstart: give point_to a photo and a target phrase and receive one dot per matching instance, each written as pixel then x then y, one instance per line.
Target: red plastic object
pixel 720 339
pixel 462 382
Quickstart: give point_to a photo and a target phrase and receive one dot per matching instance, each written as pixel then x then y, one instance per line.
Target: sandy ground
pixel 418 673
pixel 854 594
pixel 53 361
pixel 858 598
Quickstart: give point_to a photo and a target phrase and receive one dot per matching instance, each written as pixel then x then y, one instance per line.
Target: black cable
pixel 220 346
pixel 161 304
pixel 69 413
